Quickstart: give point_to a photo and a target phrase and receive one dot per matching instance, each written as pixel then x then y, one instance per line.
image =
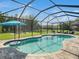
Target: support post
pixel 47 28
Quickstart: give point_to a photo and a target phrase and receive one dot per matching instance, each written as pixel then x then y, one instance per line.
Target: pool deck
pixel 70 50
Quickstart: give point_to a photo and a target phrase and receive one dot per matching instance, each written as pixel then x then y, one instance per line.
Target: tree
pixel 2 18
pixel 76 21
pixel 32 22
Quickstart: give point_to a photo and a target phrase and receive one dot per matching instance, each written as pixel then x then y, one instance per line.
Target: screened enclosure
pixel 41 18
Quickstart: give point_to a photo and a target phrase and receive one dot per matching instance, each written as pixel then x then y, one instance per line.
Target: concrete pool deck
pixel 70 50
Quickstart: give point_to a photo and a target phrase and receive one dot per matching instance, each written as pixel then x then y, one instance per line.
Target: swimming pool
pixel 40 45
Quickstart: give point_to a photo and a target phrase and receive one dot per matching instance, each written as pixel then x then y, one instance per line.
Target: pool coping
pixel 44 54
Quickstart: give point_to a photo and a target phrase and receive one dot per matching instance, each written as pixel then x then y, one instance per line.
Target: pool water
pixel 40 45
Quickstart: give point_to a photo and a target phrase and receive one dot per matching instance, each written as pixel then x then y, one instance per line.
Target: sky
pixel 6 5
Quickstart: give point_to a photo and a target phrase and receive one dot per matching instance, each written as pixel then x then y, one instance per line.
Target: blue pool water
pixel 44 44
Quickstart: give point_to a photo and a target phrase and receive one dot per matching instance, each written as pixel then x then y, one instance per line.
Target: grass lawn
pixel 7 36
